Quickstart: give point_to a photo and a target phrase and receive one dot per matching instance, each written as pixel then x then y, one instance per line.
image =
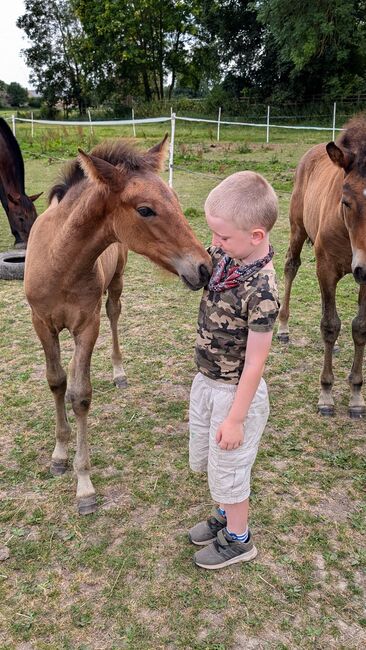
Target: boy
pixel 229 401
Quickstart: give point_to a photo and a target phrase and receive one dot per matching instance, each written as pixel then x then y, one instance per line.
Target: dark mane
pixel 353 138
pixel 116 152
pixel 14 152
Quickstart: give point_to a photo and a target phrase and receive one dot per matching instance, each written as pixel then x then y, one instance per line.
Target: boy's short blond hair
pixel 246 199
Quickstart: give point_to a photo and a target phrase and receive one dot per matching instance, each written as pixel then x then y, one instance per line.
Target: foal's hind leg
pixel 357 405
pixel 56 378
pixel 293 261
pixel 113 308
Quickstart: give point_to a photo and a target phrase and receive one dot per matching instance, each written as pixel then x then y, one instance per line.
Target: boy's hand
pixel 230 434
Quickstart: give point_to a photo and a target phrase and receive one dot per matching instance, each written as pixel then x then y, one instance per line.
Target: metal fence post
pixel 268 111
pixel 171 150
pixel 90 122
pixel 218 124
pixel 133 123
pixel 13 121
pixel 334 118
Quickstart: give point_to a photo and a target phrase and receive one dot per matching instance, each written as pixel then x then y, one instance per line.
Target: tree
pixel 57 54
pixel 17 95
pixel 323 43
pixel 139 45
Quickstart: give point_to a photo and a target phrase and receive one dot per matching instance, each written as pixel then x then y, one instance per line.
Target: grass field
pixel 124 578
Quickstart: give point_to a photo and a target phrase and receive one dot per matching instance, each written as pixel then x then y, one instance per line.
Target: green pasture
pixel 124 578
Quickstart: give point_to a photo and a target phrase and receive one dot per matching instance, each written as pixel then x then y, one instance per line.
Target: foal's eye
pixel 144 211
pixel 346 203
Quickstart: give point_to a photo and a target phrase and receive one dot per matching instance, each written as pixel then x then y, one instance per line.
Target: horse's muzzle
pixel 359 274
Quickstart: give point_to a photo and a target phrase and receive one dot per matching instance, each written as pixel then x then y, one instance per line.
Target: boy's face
pixel 235 242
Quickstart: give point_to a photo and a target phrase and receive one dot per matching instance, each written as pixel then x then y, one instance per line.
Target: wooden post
pixel 171 150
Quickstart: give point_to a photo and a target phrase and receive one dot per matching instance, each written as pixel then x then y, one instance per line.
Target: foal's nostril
pixel 204 274
pixel 360 274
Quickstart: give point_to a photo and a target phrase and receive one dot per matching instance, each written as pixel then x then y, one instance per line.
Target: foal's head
pixel 350 154
pixel 144 212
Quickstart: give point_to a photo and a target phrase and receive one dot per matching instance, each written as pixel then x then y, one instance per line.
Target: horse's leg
pixel 56 378
pixel 293 261
pixel 80 396
pixel 113 309
pixel 330 326
pixel 357 405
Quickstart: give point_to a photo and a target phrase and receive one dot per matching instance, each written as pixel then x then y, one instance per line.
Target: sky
pixel 12 40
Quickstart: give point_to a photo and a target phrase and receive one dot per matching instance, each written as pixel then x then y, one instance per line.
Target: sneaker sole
pixel 245 557
pixel 204 543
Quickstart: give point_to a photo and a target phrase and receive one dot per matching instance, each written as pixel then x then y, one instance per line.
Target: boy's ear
pixel 258 234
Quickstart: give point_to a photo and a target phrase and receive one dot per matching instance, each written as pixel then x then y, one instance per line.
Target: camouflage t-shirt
pixel 224 320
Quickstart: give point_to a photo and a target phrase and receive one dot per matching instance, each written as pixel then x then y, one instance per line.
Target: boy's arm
pixel 230 433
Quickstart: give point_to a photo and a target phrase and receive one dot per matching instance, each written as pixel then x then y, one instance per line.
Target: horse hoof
pixel 58 467
pixel 326 411
pixel 120 382
pixel 87 505
pixel 357 412
pixel 283 337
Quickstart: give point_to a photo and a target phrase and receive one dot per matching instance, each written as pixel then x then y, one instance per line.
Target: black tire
pixel 12 265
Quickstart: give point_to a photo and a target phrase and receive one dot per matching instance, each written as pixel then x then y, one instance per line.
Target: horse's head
pixel 21 214
pixel 147 215
pixel 353 202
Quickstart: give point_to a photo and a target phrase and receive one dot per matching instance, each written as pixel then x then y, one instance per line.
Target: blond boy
pixel 229 401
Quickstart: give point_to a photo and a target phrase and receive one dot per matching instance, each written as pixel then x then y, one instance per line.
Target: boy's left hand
pixel 230 435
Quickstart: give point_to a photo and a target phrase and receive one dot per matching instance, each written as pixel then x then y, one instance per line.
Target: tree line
pixel 89 52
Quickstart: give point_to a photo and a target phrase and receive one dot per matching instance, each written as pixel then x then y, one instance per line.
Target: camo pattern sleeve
pixel 225 318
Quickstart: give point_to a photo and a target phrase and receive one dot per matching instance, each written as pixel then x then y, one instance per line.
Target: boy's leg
pixel 229 481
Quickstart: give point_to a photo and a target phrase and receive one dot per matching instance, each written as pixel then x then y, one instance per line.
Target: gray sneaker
pixel 224 551
pixel 206 531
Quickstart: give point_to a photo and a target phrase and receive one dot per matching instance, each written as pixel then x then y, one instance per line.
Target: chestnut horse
pixel 18 206
pixel 108 202
pixel 328 206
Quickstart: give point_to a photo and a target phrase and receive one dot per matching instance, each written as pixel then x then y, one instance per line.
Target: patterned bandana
pixel 227 277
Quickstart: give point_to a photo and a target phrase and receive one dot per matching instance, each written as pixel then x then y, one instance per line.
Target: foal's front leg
pixel 56 378
pixel 357 404
pixel 330 326
pixel 80 395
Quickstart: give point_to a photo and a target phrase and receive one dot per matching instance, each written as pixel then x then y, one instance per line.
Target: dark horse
pixel 328 206
pixel 107 203
pixel 18 206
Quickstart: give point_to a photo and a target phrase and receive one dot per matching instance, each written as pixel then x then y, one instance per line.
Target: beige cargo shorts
pixel 228 471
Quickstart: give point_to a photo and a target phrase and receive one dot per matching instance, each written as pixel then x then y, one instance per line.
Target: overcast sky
pixel 12 40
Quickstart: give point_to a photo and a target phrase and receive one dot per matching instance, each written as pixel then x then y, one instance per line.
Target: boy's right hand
pixel 230 434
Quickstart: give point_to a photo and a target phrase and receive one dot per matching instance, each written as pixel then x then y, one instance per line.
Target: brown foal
pixel 328 206
pixel 110 201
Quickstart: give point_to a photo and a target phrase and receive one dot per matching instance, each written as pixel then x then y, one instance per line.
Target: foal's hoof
pixel 357 412
pixel 58 467
pixel 87 505
pixel 283 337
pixel 120 382
pixel 326 411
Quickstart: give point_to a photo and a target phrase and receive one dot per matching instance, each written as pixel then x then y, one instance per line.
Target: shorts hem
pixel 230 499
pixel 198 468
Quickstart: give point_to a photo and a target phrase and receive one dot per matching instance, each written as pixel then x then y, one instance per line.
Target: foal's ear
pixel 341 157
pixel 157 154
pixel 100 171
pixel 34 197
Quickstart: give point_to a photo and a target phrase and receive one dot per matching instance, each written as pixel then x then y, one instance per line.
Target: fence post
pixel 90 122
pixel 32 125
pixel 13 121
pixel 218 124
pixel 171 150
pixel 133 123
pixel 334 118
pixel 268 111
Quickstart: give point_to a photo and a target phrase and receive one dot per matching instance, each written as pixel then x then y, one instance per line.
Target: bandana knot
pixel 227 277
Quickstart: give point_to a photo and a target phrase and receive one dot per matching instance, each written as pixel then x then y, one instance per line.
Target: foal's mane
pixel 116 152
pixel 353 138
